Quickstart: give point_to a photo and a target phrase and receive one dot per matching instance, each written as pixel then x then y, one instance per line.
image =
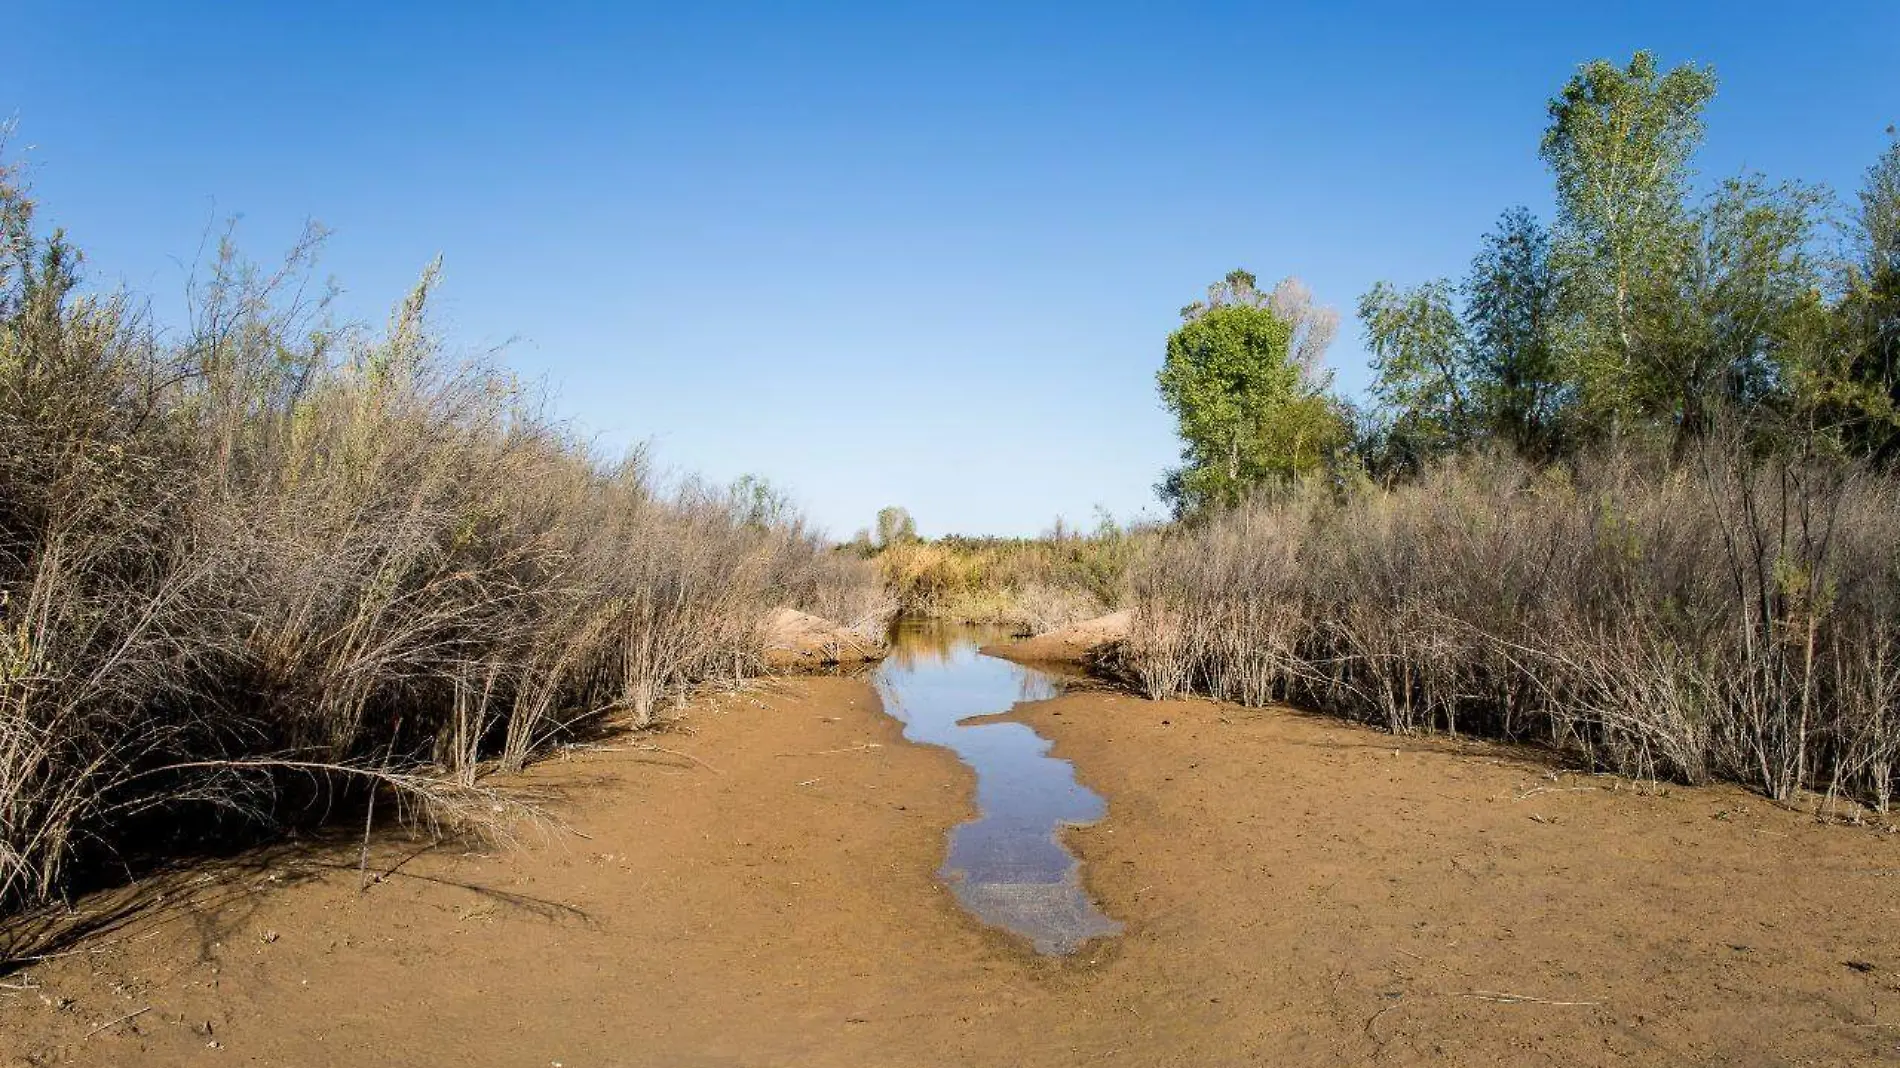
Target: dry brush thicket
pixel 1714 618
pixel 1031 585
pixel 246 571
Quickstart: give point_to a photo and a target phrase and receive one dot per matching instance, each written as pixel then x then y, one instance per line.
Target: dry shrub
pixel 254 571
pixel 1031 584
pixel 1718 617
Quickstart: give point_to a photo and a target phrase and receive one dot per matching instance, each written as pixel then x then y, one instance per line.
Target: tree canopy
pixel 1647 309
pixel 1243 377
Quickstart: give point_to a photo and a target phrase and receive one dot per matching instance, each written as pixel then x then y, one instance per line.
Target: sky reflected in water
pixel 1007 866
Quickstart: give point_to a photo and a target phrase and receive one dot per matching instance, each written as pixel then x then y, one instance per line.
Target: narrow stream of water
pixel 1008 866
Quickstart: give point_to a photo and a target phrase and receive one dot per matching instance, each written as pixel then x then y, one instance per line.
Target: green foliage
pixel 1421 361
pixel 1646 313
pixel 759 504
pixel 1720 340
pixel 1619 143
pixel 1248 409
pixel 1864 397
pixel 895 527
pixel 1511 313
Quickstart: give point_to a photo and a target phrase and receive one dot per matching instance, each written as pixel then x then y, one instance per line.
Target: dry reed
pixel 258 569
pixel 1721 616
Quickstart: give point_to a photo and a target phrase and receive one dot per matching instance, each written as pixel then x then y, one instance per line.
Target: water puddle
pixel 1007 866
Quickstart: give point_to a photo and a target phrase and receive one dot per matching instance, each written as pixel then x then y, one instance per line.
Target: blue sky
pixel 879 253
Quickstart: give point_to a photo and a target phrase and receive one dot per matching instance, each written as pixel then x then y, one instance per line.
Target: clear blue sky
pixel 879 253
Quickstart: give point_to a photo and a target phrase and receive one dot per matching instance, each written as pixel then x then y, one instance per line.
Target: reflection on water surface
pixel 1007 866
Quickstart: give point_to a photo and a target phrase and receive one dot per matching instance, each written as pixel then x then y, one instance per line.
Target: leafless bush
pixel 274 547
pixel 1720 617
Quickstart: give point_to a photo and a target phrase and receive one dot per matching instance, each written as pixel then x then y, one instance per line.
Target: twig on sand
pixel 1556 790
pixel 1375 1019
pixel 861 747
pixel 677 753
pixel 114 1023
pixel 1519 999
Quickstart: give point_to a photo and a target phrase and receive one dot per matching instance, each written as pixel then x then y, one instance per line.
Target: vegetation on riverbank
pixel 269 564
pixel 1029 584
pixel 1717 618
pixel 1629 488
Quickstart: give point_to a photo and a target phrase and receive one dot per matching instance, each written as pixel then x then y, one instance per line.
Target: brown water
pixel 1008 866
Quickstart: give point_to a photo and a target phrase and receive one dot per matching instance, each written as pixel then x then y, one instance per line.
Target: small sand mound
pixel 1070 644
pixel 795 639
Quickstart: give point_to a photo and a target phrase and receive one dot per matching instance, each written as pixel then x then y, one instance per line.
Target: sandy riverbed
pixel 1294 890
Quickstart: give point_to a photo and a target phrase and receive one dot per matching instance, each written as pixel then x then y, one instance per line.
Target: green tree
pixel 1422 372
pixel 1511 315
pixel 1866 396
pixel 1248 409
pixel 1620 142
pixel 894 527
pixel 759 504
pixel 1723 340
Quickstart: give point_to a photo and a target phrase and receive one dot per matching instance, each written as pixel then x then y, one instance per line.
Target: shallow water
pixel 1007 866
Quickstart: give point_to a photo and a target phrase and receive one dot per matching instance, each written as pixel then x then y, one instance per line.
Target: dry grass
pixel 271 564
pixel 1031 585
pixel 1712 618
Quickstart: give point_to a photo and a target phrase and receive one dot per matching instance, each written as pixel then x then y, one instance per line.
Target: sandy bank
pixel 796 640
pixel 1066 645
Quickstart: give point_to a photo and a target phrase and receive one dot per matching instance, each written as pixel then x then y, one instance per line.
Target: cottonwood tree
pixel 1311 327
pixel 1646 310
pixel 757 503
pixel 1422 371
pixel 1454 365
pixel 1510 316
pixel 1244 380
pixel 1866 394
pixel 895 527
pixel 1725 339
pixel 1620 143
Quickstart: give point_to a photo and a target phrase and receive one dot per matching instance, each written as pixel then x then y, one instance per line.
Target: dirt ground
pixel 1067 645
pixel 1295 892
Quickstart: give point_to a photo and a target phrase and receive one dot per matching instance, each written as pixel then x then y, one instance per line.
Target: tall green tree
pixel 1867 396
pixel 1422 371
pixel 895 527
pixel 1725 338
pixel 1456 365
pixel 1249 406
pixel 1511 317
pixel 759 504
pixel 1620 143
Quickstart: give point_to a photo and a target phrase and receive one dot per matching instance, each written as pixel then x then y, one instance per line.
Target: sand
pixel 1067 645
pixel 797 641
pixel 1295 891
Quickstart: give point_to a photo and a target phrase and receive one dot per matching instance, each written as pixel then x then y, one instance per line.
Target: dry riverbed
pixel 761 891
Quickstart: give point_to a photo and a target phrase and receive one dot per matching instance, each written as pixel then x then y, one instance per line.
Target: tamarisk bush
pixel 1720 617
pixel 254 569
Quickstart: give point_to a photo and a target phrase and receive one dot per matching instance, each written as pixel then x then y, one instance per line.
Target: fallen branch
pixel 677 753
pixel 114 1023
pixel 1519 999
pixel 861 747
pixel 1556 790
